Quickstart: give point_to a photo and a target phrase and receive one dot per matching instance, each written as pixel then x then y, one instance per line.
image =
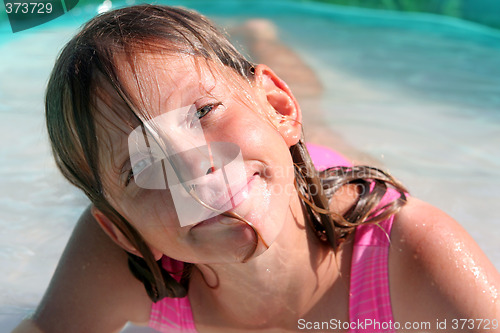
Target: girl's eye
pixel 204 110
pixel 129 178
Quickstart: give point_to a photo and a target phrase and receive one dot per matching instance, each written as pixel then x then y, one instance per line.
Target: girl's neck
pixel 274 289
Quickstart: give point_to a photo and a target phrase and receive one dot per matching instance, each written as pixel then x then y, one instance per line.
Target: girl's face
pixel 192 104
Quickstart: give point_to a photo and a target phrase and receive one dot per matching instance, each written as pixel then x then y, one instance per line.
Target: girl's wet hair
pixel 87 64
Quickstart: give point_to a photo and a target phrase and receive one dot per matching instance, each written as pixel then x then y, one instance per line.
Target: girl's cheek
pixel 150 207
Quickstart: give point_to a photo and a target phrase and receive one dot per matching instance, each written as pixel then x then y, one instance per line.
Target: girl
pixel 208 214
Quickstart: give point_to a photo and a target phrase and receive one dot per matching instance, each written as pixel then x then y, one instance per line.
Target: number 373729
pixel 28 7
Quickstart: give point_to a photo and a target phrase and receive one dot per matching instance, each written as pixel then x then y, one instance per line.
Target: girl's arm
pixel 92 289
pixel 439 274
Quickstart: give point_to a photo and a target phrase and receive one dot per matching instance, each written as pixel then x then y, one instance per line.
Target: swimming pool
pixel 418 92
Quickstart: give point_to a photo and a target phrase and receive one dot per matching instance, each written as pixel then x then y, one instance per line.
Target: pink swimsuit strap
pixel 369 296
pixel 370 307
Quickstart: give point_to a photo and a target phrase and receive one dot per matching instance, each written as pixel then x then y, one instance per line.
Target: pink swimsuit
pixel 369 301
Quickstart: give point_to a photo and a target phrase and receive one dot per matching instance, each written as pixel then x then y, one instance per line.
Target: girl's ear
pixel 286 113
pixel 117 236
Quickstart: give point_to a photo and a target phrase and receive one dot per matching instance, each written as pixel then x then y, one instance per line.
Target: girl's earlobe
pixel 286 113
pixel 116 235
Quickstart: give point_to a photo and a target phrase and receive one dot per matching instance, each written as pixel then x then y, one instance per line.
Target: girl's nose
pixel 192 164
pixel 203 180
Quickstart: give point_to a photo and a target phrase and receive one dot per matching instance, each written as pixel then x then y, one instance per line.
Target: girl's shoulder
pixel 92 289
pixel 437 271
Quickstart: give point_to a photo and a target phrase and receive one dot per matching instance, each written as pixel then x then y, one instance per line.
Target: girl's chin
pixel 227 240
pixel 230 239
pixel 230 242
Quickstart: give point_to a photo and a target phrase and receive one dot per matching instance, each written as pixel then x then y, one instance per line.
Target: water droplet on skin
pixel 494 293
pixel 267 195
pixel 468 263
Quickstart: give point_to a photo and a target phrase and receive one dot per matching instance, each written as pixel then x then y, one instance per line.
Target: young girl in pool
pixel 207 213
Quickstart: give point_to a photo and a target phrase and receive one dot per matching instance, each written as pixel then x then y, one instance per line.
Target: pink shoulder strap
pixel 369 300
pixel 370 307
pixel 324 158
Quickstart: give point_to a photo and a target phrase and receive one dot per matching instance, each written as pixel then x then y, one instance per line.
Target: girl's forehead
pixel 158 82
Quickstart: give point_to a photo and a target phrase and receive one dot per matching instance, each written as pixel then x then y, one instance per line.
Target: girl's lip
pixel 238 197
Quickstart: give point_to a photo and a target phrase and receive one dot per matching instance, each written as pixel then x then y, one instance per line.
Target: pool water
pixel 420 93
